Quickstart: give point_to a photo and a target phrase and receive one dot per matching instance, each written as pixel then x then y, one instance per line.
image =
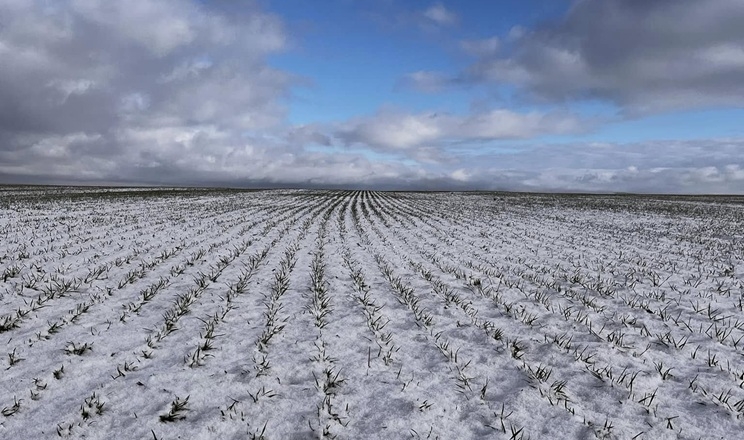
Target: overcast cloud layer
pixel 181 92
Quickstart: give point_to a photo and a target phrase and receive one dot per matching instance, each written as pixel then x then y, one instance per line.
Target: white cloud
pixel 440 15
pixel 100 89
pixel 516 32
pixel 390 129
pixel 135 102
pixel 481 48
pixel 695 166
pixel 643 56
pixel 180 92
pixel 423 81
pixel 71 87
pixel 393 130
pixel 188 69
pixel 160 26
pixel 461 175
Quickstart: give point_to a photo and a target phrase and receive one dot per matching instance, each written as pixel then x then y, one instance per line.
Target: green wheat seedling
pixel 97 273
pixel 39 384
pixel 540 374
pixel 502 417
pixel 272 328
pixel 132 276
pixel 322 355
pixel 563 341
pixel 74 349
pixel 425 405
pixel 516 433
pixel 320 307
pixel 199 356
pixel 580 354
pixel 723 399
pixel 181 307
pixel 166 254
pixel 555 393
pixel 274 325
pixel 375 320
pixel 201 280
pixel 327 410
pixel 196 256
pixel 177 270
pixel 665 373
pixel 616 337
pixel 648 399
pixel 8 323
pixel 177 408
pixel 515 349
pixel 92 406
pixel 329 382
pixel 11 272
pixel 376 323
pixel 246 274
pixel 667 340
pixel 231 411
pixel 557 390
pixel 605 431
pixel 262 365
pixel 32 280
pixel 79 310
pixel 259 435
pixel 462 378
pixel 527 318
pixel 121 370
pixel 196 358
pixel 65 429
pixel 262 393
pixel 215 272
pixel 152 290
pixel 405 294
pixel 627 379
pixel 13 358
pixel 13 409
pixel 59 373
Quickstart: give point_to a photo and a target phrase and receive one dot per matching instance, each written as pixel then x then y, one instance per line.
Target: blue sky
pixel 355 54
pixel 531 95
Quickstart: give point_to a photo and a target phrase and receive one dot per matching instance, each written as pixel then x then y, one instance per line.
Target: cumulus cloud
pixel 393 130
pixel 160 92
pixel 481 48
pixel 423 81
pixel 643 56
pixel 89 87
pixel 439 15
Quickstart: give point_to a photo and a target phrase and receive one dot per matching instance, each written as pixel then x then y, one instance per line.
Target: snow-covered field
pixel 306 314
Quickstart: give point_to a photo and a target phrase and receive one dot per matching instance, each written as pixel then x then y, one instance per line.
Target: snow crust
pixel 329 314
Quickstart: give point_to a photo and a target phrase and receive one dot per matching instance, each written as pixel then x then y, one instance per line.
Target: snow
pixel 288 314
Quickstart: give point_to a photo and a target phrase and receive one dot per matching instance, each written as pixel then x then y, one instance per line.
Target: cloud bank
pixel 110 90
pixel 643 56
